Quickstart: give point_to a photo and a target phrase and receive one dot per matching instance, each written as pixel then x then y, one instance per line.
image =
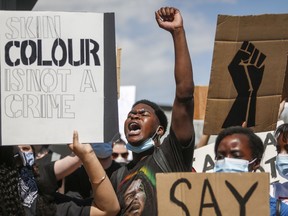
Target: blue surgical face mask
pixel 147 144
pixel 28 158
pixel 232 165
pixel 282 165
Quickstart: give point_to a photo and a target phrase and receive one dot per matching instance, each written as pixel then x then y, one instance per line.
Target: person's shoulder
pixel 284 209
pixel 273 207
pixel 117 176
pixel 272 201
pixel 280 186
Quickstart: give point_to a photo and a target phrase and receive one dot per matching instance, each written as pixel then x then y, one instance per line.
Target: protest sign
pixel 285 87
pixel 212 194
pixel 125 103
pixel 58 74
pixel 247 74
pixel 200 98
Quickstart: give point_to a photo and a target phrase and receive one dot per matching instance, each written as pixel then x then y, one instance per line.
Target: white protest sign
pixel 54 71
pixel 125 103
pixel 204 157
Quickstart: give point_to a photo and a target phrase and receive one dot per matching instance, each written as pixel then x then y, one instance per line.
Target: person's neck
pixel 140 156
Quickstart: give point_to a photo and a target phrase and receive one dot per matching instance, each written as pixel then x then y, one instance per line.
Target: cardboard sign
pixel 212 194
pixel 200 98
pixel 204 158
pixel 285 86
pixel 248 70
pixel 58 74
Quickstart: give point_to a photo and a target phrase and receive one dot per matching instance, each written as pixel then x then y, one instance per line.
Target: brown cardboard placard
pixel 247 74
pixel 200 98
pixel 213 194
pixel 285 86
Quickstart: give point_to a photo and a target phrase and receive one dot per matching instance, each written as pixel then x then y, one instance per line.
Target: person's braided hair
pixel 9 176
pixel 10 201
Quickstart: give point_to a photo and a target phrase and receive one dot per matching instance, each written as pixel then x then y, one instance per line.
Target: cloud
pixel 147 59
pixel 148 56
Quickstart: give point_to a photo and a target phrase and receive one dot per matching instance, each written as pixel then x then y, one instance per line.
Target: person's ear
pixel 158 134
pixel 160 131
pixel 255 165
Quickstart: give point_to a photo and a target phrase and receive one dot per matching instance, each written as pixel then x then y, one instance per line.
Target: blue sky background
pixel 147 59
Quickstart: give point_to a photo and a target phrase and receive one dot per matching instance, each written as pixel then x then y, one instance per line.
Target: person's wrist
pixel 178 29
pixel 88 156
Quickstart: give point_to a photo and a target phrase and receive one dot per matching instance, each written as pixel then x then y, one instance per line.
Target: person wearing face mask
pixel 28 189
pixel 49 202
pixel 146 123
pixel 28 156
pixel 239 149
pixel 40 178
pixel 277 189
pixel 120 152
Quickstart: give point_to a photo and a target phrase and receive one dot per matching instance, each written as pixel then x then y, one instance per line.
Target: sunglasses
pixel 124 155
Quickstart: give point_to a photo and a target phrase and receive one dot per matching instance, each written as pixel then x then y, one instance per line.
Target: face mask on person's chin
pixel 232 165
pixel 147 144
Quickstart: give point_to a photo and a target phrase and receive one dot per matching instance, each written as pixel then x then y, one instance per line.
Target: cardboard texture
pixel 285 87
pixel 200 98
pixel 212 194
pixel 248 71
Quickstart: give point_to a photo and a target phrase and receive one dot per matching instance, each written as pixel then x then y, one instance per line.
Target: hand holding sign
pixel 78 148
pixel 246 70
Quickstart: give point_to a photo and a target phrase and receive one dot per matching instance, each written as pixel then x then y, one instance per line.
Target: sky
pixel 147 55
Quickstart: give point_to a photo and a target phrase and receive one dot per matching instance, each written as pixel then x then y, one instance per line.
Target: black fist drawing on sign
pixel 246 70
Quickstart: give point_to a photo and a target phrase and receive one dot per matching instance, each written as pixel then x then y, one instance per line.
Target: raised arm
pixel 105 200
pixel 170 19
